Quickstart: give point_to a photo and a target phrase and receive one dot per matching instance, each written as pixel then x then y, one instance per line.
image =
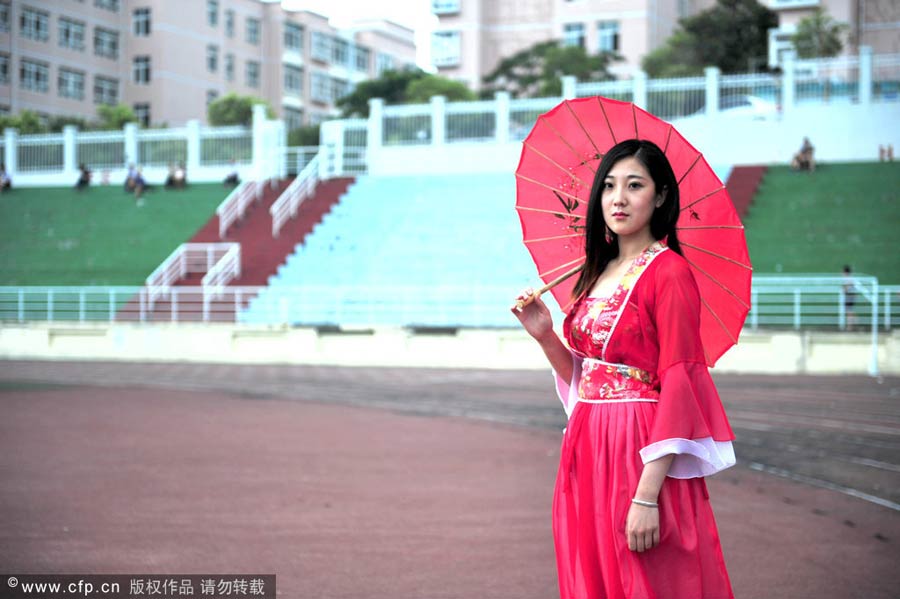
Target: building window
pixel 293 118
pixel 212 58
pixel 608 36
pixel 34 24
pixel 71 34
pixel 445 48
pixel 106 91
pixel 141 22
pixel 211 96
pixel 252 31
pixel 4 17
pixel 293 80
pixel 141 69
pixel 383 62
pixel 142 113
pixel 326 89
pixel 361 59
pixel 112 5
pixel 573 34
pixel 106 43
pixel 444 7
pixel 229 67
pixel 71 84
pixel 212 12
pixel 293 37
pixel 321 46
pixel 340 51
pixel 34 76
pixel 4 69
pixel 252 73
pixel 229 23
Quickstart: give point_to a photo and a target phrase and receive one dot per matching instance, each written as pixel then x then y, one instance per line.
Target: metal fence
pixel 162 147
pixel 35 153
pixel 101 149
pixel 407 125
pixel 471 121
pixel 224 145
pixel 523 114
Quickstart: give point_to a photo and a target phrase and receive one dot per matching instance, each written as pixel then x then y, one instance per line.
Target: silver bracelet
pixel 644 503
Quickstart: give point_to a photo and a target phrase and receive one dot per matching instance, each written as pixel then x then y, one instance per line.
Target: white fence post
pixel 569 83
pixel 375 130
pixel 193 146
pixel 70 150
pixel 131 143
pixel 438 120
pixel 501 119
pixel 259 140
pixel 788 84
pixel 639 93
pixel 865 75
pixel 712 90
pixel 10 151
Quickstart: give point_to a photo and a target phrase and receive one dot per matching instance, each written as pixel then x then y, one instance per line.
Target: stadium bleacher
pixel 389 238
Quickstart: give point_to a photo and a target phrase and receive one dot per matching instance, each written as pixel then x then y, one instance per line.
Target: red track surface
pixel 742 185
pixel 345 501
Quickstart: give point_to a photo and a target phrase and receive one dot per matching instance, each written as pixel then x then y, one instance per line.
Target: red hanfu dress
pixel 640 390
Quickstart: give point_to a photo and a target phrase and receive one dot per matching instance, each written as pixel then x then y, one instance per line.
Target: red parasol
pixel 553 184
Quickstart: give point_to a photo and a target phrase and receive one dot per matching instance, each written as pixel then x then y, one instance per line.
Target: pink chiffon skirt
pixel 599 472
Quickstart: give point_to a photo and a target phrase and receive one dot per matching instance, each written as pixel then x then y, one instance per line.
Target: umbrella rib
pixel 719 283
pixel 698 227
pixel 634 118
pixel 701 198
pixel 719 320
pixel 690 168
pixel 561 266
pixel 668 137
pixel 715 255
pixel 544 211
pixel 568 145
pixel 580 124
pixel 606 118
pixel 570 235
pixel 530 180
pixel 554 163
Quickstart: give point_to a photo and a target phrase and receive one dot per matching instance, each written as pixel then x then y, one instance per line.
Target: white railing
pixel 101 149
pixel 302 187
pixel 162 147
pixel 188 258
pixel 220 146
pixel 234 206
pixel 225 270
pixel 40 153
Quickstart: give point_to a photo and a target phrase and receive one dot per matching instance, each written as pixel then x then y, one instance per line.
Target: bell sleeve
pixel 690 421
pixel 567 391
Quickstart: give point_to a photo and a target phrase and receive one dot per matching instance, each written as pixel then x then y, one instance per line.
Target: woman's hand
pixel 535 316
pixel 642 527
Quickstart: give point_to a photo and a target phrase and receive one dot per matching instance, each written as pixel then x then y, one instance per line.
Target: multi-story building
pixel 473 36
pixel 169 60
pixel 873 23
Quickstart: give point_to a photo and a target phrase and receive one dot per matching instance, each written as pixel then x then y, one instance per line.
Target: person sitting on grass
pixel 5 181
pixel 804 160
pixel 233 178
pixel 84 177
pixel 139 185
pixel 177 178
pixel 129 178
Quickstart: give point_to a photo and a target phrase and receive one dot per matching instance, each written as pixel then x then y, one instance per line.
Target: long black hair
pixel 599 252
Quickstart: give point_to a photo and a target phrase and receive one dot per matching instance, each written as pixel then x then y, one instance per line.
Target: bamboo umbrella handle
pixel 521 303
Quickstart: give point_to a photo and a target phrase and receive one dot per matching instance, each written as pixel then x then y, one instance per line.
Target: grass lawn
pixel 817 222
pixel 53 236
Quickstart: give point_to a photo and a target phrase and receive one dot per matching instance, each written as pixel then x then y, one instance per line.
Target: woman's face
pixel 629 198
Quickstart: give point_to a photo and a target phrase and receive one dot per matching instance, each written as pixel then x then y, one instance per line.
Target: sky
pixel 415 14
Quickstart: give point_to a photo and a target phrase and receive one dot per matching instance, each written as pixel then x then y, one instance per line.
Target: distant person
pixel 130 178
pixel 138 185
pixel 805 160
pixel 233 178
pixel 5 180
pixel 84 177
pixel 177 177
pixel 849 287
pixel 886 153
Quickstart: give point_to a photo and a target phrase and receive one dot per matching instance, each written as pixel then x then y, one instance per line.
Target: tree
pixel 26 122
pixel 304 136
pixel 390 87
pixel 115 117
pixel 232 109
pixel 423 89
pixel 818 35
pixel 733 35
pixel 537 71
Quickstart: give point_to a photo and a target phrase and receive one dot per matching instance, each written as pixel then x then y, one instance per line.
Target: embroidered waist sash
pixel 605 381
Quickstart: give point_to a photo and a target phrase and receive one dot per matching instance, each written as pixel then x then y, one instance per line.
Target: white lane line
pixel 825 485
pixel 872 463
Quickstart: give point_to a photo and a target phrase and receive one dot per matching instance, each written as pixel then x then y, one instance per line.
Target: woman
pixel 631 514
